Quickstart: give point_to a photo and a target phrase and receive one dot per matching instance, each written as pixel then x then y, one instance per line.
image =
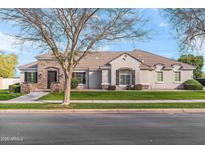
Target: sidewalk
pixel 20 100
pixel 33 96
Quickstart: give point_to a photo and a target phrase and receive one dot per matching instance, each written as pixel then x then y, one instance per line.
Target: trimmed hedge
pixel 15 88
pixel 137 87
pixel 130 87
pixel 192 85
pixel 74 83
pixel 111 87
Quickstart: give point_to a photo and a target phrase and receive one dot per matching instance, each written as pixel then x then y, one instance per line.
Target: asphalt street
pixel 98 128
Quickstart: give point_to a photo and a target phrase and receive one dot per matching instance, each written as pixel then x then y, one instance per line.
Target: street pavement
pixel 99 128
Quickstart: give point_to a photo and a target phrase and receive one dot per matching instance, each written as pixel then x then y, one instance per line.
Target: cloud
pixel 103 48
pixel 8 43
pixel 163 24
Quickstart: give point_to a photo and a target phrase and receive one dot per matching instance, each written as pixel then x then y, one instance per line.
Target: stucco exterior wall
pixel 169 82
pixel 124 61
pixel 143 77
pixel 22 77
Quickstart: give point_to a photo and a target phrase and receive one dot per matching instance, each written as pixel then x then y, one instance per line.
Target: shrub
pixel 192 85
pixel 15 88
pixel 111 87
pixel 130 87
pixel 138 87
pixel 74 83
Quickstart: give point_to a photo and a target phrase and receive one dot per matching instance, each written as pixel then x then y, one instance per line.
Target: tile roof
pixel 29 65
pixel 101 58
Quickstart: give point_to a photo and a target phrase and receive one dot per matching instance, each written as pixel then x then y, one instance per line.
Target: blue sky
pixel 161 42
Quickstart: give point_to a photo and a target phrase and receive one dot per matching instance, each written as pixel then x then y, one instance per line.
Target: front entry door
pixel 52 77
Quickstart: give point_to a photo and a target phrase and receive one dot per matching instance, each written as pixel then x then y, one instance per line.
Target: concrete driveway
pixel 133 128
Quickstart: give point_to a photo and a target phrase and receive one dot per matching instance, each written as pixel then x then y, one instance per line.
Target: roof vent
pixel 140 57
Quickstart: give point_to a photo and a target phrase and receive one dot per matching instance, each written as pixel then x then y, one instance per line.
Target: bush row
pixel 15 88
pixel 130 87
pixel 188 85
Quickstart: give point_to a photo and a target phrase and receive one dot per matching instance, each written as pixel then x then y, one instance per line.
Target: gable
pixel 125 57
pixel 125 60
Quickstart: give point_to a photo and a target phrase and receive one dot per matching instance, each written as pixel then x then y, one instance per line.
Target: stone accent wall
pixel 49 65
pixel 28 87
pixel 56 87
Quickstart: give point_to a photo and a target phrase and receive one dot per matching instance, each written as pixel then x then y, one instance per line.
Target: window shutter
pixel 25 76
pixel 35 77
pixel 133 77
pixel 84 78
pixel 117 77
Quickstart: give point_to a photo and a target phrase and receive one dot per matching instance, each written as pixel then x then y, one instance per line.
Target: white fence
pixel 5 82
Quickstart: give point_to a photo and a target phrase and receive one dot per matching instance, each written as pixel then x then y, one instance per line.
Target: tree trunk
pixel 67 88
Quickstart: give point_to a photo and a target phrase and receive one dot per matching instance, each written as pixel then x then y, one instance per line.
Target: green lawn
pixel 103 106
pixel 128 95
pixel 6 95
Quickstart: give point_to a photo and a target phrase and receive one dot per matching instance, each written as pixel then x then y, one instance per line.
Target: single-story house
pixel 98 70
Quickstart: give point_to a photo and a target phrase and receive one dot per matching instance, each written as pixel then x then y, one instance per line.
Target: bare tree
pixel 72 33
pixel 190 26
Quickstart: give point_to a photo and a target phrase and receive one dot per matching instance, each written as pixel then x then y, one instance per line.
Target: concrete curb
pixel 110 101
pixel 127 101
pixel 103 111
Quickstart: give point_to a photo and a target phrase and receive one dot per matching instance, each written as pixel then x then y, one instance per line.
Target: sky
pixel 162 41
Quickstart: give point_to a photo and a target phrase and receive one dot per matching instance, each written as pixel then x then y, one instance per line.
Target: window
pixel 31 77
pixel 177 76
pixel 125 77
pixel 159 76
pixel 81 76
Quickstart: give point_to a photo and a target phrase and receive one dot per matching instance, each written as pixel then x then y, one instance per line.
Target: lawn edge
pixel 171 110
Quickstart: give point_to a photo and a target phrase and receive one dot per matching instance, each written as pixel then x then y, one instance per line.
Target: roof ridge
pixel 161 56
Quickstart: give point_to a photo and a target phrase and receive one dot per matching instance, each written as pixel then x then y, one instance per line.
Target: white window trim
pixel 160 82
pixel 124 85
pixel 177 82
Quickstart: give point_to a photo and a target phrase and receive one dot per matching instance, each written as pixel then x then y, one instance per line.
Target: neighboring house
pixel 5 82
pixel 99 69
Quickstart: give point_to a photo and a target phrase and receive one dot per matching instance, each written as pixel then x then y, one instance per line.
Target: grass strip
pixel 102 106
pixel 128 95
